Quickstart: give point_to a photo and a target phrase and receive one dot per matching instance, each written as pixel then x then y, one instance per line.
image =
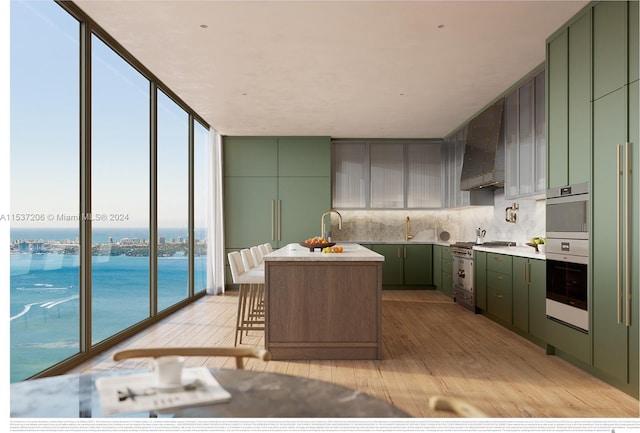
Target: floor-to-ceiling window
pixel 120 183
pixel 44 220
pixel 92 189
pixel 173 202
pixel 202 198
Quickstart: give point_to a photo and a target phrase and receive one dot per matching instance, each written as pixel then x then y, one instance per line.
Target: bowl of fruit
pixel 538 244
pixel 316 243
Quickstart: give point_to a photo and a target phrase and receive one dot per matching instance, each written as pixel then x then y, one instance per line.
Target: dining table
pixel 254 394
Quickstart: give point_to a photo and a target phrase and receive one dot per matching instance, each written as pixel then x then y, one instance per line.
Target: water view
pixel 44 289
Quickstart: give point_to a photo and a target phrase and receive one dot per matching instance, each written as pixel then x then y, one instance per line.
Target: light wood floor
pixel 430 346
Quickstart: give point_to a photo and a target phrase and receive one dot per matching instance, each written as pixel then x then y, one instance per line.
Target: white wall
pixel 428 225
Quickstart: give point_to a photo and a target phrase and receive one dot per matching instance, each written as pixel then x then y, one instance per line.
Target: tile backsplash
pixel 433 225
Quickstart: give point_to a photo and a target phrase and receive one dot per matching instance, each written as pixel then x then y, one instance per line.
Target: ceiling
pixel 374 69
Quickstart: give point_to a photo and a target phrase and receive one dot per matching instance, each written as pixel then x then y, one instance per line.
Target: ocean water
pixel 45 296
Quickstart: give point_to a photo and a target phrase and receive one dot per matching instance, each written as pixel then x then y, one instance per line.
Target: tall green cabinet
pixel 569 103
pixel 275 189
pixel 610 73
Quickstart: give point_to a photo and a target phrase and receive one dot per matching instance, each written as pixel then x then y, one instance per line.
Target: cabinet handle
pixel 404 252
pixel 627 262
pixel 499 295
pixel 279 221
pixel 524 268
pixel 398 252
pixel 273 205
pixel 529 272
pixel 499 277
pixel 618 233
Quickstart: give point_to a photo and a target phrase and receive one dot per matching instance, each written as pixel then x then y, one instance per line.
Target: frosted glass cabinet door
pixel 511 144
pixel 350 175
pixel 525 142
pixel 424 175
pixel 387 175
pixel 525 133
pixel 540 148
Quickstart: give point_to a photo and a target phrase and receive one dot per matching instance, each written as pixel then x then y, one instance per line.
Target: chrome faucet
pixel 407 229
pixel 328 213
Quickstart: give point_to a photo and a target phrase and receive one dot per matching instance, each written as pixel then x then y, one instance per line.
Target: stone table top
pixel 254 395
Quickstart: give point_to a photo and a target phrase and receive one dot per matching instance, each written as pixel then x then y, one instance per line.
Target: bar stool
pixel 246 280
pixel 263 250
pixel 257 255
pixel 256 293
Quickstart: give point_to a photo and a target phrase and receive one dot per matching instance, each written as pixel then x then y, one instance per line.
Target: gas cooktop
pixel 470 245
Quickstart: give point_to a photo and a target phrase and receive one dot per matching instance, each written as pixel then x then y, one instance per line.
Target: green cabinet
pixel 609 47
pixel 499 291
pixel 437 266
pixel 579 98
pixel 569 103
pixel 418 265
pixel 596 54
pixel 392 271
pixel 275 189
pixel 558 109
pixel 634 41
pixel 406 265
pixel 529 287
pixel 443 269
pixel 480 275
pixel 615 237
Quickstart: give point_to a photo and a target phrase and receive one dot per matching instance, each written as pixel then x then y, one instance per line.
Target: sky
pixel 44 138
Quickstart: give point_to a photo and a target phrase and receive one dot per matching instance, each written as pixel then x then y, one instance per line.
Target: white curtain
pixel 215 235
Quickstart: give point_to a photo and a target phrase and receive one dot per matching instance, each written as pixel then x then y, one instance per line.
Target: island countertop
pixel 351 253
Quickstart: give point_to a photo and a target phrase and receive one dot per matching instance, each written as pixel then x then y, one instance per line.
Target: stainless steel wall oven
pixel 567 254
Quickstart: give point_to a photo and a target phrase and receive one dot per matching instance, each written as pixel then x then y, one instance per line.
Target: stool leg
pixel 240 318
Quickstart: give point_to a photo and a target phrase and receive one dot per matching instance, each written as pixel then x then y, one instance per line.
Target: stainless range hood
pixel 483 165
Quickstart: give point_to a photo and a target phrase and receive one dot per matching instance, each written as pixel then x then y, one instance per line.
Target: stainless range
pixel 463 275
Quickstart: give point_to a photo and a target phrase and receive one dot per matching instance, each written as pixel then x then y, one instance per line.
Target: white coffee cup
pixel 167 371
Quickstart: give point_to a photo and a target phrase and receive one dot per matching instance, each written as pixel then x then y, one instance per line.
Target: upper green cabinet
pixel 558 108
pixel 275 189
pixel 304 156
pixel 569 103
pixel 250 156
pixel 610 44
pixel 579 86
pixel 634 41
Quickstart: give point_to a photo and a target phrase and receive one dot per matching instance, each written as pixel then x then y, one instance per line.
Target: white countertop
pixel 522 251
pixel 352 253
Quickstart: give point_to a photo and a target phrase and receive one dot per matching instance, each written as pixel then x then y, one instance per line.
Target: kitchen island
pixel 323 305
